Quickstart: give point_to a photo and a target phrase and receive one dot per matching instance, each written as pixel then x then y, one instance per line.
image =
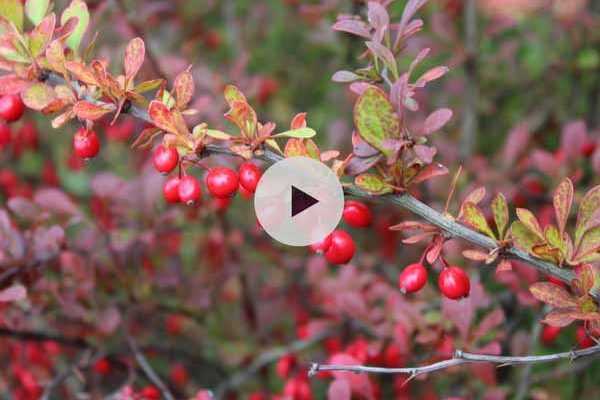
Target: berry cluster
pixel 453 282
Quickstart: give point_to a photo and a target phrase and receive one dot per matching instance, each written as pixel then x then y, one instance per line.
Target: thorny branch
pixel 145 366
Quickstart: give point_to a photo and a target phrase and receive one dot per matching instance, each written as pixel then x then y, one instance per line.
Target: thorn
pixel 314 369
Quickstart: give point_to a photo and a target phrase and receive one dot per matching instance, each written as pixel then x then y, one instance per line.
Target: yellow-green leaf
pixel 301 133
pixel 79 10
pixel 530 221
pixel 522 236
pixel 38 96
pixel 213 133
pixel 375 119
pixel 500 210
pixel 373 184
pixel 12 10
pixel 41 35
pixel 36 10
pixel 473 216
pixel 587 208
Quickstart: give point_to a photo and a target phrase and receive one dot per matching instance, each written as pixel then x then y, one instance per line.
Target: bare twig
pixel 145 366
pixel 459 358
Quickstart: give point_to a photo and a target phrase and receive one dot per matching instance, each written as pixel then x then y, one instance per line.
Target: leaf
pixel 134 58
pixel 162 117
pixel 377 15
pixel 55 201
pixel 558 318
pixel 504 265
pixel 339 389
pixel 12 10
pixel 344 77
pixel 145 137
pixel 489 322
pixel 358 165
pixel 301 133
pixel 409 11
pixel 382 52
pixel 233 94
pixel 12 293
pixel 41 35
pixel 12 84
pixel 554 295
pixel 563 199
pixel 431 75
pixel 147 86
pixel 436 120
pixel 372 184
pixel 82 72
pixel 375 119
pixel 546 252
pixel 530 221
pixel 77 9
pixel 523 236
pixel 299 121
pixel 429 172
pixel 554 238
pixel 89 111
pixel 475 255
pixel 244 117
pixel 36 10
pixel 184 89
pixel 38 96
pixel 589 243
pixel 500 211
pixel 55 56
pixel 215 134
pixel 586 277
pixel 425 153
pixel 473 216
pixel 587 208
pixel 353 26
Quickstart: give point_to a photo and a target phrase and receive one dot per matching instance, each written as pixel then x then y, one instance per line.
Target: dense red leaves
pixel 189 190
pixel 249 175
pixel 412 278
pixel 342 247
pixel 222 182
pixel 165 159
pixel 86 143
pixel 357 214
pixel 454 283
pixel 11 108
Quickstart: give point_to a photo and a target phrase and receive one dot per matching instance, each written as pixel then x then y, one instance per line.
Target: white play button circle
pixel 299 201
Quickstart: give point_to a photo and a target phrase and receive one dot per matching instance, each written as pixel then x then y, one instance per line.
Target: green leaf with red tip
pixel 500 211
pixel 135 54
pixel 36 10
pixel 554 295
pixel 12 10
pixel 79 10
pixel 375 119
pixel 473 216
pixel 372 184
pixel 233 94
pixel 563 199
pixel 587 210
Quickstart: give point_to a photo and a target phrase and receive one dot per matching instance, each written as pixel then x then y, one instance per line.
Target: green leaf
pixel 500 211
pixel 38 96
pixel 36 10
pixel 587 208
pixel 218 134
pixel 563 199
pixel 554 238
pixel 373 184
pixel 233 94
pixel 42 34
pixel 590 243
pixel 552 294
pixel 530 221
pixel 375 119
pixel 301 133
pixel 12 10
pixel 523 236
pixel 473 216
pixel 79 10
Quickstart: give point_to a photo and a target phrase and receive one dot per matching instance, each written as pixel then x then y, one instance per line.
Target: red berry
pixel 171 190
pixel 297 388
pixel 221 204
pixel 102 366
pixel 179 375
pixel 583 340
pixel 174 324
pixel 249 176
pixel 454 283
pixel 189 190
pixel 556 281
pixel 285 365
pixel 549 334
pixel 245 193
pixel 11 107
pixel 412 278
pixel 5 135
pixel 392 356
pixel 86 143
pixel 588 148
pixel 341 249
pixel 357 214
pixel 322 245
pixel 165 159
pixel 150 393
pixel 222 182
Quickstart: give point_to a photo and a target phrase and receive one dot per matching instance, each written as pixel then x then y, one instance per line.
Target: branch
pixel 150 374
pixel 459 358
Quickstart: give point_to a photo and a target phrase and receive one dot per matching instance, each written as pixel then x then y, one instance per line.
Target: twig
pixel 406 201
pixel 64 375
pixel 459 358
pixel 150 374
pixel 265 359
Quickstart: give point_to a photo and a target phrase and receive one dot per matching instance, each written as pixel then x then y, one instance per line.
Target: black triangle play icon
pixel 301 201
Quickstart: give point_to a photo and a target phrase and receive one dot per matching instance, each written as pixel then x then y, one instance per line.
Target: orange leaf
pixel 134 57
pixel 552 294
pixel 89 111
pixel 184 89
pixel 162 117
pixel 563 198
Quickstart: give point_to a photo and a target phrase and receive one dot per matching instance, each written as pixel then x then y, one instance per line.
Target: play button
pixel 299 201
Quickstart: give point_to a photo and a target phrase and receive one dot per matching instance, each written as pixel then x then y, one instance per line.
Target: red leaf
pixel 429 172
pixel 353 26
pixel 552 294
pixel 436 120
pixel 15 292
pixel 431 75
pixel 12 84
pixel 134 57
pixel 89 111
